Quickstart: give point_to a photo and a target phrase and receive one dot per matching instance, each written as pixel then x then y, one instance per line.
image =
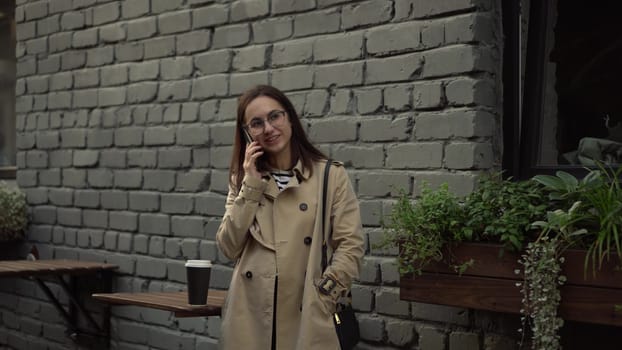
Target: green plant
pixel 502 211
pixel 13 214
pixel 600 213
pixel 422 229
pixel 542 262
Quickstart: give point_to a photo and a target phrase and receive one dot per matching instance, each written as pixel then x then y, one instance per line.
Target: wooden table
pixel 176 302
pixel 56 270
pixel 29 268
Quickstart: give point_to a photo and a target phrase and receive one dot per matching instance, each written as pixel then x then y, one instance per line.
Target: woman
pixel 272 229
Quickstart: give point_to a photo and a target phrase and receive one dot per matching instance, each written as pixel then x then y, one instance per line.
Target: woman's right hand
pixel 253 152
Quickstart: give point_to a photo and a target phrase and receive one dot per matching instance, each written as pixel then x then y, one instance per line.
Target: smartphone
pixel 249 140
pixel 247 136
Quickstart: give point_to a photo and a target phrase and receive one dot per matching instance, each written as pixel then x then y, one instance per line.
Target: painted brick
pixel 468 155
pixel 460 184
pixel 159 6
pixel 250 58
pixel 341 74
pixel 400 332
pixel 134 8
pixel 385 129
pixel 148 70
pixel 382 184
pixel 456 59
pixel 393 38
pixel 366 13
pixel 188 226
pixel 272 29
pixel 333 130
pixel 210 16
pixel 158 224
pixel 292 52
pixel 114 75
pixel 176 203
pixel 339 47
pixel 128 179
pixel 48 25
pixel 106 13
pixel 174 22
pixel 319 22
pixel 456 123
pixel 141 28
pixel 159 180
pixel 249 9
pixel 210 204
pixel 468 91
pixel 428 8
pixel 159 47
pixel 129 52
pixel 372 327
pixel 174 158
pixel 231 36
pixel 194 41
pixel 142 158
pixel 367 156
pixel 210 86
pixel 287 6
pixel 293 78
pixel 422 155
pixel 213 61
pixel 398 68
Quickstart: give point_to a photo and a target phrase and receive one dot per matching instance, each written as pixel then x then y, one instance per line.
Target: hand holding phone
pixel 252 154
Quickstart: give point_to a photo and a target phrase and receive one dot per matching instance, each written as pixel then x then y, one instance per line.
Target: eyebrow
pixel 268 114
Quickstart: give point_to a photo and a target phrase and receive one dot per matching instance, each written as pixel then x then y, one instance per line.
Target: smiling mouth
pixel 272 139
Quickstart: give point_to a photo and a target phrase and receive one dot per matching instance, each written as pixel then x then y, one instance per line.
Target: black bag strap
pixel 324 192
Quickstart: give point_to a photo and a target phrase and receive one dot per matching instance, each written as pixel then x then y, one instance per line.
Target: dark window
pixel 7 89
pixel 571 109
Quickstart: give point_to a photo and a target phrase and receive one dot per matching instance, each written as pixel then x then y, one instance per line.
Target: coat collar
pixel 300 175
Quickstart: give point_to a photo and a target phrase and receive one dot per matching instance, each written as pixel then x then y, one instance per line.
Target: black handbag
pixel 346 324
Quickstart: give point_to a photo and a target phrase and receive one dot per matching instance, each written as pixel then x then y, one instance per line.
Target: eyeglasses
pixel 258 125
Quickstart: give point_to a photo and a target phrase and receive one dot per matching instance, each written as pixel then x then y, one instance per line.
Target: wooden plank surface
pixel 176 302
pixel 579 303
pixel 490 261
pixel 23 268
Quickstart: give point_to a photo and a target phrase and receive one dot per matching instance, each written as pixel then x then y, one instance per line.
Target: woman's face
pixel 275 139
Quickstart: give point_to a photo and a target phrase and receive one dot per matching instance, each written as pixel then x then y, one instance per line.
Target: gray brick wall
pixel 125 124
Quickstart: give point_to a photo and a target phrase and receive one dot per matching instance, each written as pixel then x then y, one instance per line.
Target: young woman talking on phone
pixel 279 297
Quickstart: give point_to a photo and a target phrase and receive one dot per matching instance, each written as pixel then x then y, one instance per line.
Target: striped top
pixel 282 178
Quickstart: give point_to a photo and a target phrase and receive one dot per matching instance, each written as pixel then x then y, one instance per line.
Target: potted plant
pixel 536 235
pixel 13 214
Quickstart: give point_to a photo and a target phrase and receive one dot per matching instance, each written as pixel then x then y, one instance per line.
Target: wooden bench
pixel 176 302
pixel 56 270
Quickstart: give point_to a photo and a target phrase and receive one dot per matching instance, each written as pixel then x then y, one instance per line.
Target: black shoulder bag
pixel 346 325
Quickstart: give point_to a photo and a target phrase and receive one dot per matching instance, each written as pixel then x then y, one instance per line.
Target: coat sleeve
pixel 240 210
pixel 347 234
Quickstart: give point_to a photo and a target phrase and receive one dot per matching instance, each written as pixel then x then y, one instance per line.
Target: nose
pixel 267 128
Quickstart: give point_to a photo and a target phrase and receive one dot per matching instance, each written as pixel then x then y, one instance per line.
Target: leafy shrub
pixel 13 215
pixel 424 228
pixel 502 211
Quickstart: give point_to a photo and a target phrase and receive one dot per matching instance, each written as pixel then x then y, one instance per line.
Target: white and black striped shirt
pixel 281 178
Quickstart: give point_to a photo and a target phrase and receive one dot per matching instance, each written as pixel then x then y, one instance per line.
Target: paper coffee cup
pixel 197 276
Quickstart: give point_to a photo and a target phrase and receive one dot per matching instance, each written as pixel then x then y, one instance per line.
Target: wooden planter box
pixel 490 284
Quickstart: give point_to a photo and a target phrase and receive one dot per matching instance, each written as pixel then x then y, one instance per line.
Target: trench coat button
pixel 307 240
pixel 303 206
pixel 249 274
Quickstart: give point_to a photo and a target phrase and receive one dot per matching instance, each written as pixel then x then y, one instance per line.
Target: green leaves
pixel 13 215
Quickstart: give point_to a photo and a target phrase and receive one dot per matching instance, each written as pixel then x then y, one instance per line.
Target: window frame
pixel 522 121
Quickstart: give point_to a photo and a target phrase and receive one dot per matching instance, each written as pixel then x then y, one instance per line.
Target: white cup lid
pixel 199 263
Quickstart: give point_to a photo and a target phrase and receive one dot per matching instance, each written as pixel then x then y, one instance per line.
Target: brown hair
pixel 301 147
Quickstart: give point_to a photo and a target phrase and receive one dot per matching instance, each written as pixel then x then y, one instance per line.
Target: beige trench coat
pixel 268 232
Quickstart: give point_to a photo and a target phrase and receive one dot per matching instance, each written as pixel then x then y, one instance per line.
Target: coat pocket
pixel 327 303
